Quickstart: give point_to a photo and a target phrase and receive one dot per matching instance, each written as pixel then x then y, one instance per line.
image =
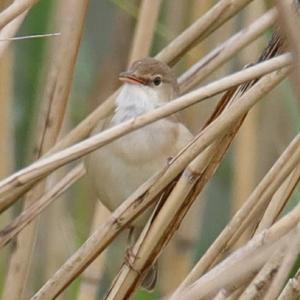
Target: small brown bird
pixel 119 168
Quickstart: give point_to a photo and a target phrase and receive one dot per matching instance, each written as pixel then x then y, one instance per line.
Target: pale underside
pixel 119 168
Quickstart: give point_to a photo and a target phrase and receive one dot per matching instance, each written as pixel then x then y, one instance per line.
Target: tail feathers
pixel 150 279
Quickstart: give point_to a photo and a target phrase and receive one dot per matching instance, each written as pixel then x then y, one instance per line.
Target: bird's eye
pixel 157 80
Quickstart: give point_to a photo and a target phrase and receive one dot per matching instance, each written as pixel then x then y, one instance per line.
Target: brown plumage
pixel 148 68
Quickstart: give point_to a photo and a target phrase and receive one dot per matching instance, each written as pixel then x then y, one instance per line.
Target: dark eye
pixel 157 80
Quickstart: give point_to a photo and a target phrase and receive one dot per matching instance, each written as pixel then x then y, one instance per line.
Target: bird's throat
pixel 135 100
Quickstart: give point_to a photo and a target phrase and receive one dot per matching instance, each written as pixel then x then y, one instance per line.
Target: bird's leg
pixel 129 255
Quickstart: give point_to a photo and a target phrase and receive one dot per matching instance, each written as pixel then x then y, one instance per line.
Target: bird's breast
pixel 147 143
pixel 119 168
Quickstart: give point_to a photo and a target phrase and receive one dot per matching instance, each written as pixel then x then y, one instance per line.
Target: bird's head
pixel 150 73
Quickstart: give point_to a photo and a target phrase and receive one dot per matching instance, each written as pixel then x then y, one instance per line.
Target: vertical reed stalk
pixel 54 105
pixel 145 29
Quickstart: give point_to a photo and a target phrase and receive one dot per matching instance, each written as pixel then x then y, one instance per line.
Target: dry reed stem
pixel 246 259
pixel 201 28
pixel 29 214
pixel 292 253
pixel 206 65
pixel 279 200
pixel 272 211
pixel 60 77
pixel 245 155
pixel 262 280
pixel 52 162
pixel 292 288
pixel 255 214
pixel 7 201
pixel 6 105
pixel 10 30
pixel 6 126
pixel 53 110
pixel 129 209
pixel 221 242
pixel 290 21
pixel 7 149
pixel 176 19
pixel 177 48
pixel 144 30
pixel 14 10
pixel 58 86
pixel 91 277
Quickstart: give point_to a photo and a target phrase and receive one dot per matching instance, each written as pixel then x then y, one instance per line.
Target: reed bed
pixel 255 253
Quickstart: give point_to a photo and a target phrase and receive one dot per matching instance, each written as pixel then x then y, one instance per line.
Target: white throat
pixel 134 100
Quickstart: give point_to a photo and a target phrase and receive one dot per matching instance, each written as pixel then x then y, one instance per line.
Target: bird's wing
pixel 102 124
pixel 184 137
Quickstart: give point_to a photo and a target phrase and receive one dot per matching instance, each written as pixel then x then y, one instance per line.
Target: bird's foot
pixel 129 259
pixel 169 160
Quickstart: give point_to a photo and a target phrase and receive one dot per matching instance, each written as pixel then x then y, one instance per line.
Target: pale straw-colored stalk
pixel 289 259
pixel 222 53
pixel 54 104
pixel 279 171
pixel 6 124
pixel 292 288
pixel 7 147
pixel 253 217
pixel 290 22
pixel 17 8
pixel 200 29
pixel 144 30
pixel 10 30
pixel 272 211
pixel 12 229
pixel 247 258
pixel 262 280
pixel 91 277
pixel 279 200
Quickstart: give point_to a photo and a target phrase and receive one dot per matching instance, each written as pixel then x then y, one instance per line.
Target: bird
pixel 117 169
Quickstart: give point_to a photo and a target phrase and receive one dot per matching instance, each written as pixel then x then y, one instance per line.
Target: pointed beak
pixel 130 77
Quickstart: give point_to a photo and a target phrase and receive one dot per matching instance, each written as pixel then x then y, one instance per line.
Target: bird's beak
pixel 130 77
